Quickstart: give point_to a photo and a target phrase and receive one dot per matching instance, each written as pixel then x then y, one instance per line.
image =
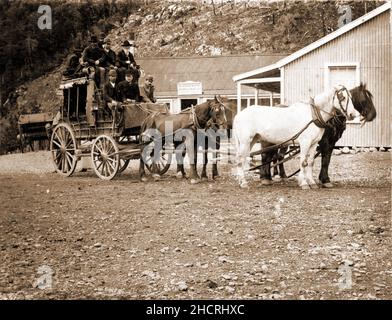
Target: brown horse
pixel 183 130
pixel 213 138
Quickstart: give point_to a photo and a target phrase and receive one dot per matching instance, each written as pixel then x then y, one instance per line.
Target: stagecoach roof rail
pixel 66 84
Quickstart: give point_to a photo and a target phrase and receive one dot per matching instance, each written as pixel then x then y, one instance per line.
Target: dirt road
pixel 81 237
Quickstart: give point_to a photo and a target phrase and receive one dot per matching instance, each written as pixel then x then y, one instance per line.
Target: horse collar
pixel 316 115
pixel 195 120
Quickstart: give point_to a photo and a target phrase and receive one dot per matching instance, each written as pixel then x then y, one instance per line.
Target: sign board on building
pixel 189 88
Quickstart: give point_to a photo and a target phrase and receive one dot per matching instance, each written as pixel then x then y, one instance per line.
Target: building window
pixel 186 103
pixel 168 103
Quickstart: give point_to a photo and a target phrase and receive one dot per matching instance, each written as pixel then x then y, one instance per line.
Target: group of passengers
pixel 117 75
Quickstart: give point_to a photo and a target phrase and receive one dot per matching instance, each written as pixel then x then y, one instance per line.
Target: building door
pixel 347 75
pixel 186 103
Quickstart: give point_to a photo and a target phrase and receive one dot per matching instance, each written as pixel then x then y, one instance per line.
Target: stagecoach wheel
pixel 123 165
pixel 163 163
pixel 105 158
pixel 63 149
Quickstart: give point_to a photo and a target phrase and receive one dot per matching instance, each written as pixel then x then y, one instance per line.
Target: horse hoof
pixel 244 185
pixel 179 175
pixel 144 179
pixel 195 181
pixel 313 186
pixel 305 187
pixel 327 185
pixel 204 179
pixel 266 182
pixel 217 177
pixel 277 178
pixel 156 177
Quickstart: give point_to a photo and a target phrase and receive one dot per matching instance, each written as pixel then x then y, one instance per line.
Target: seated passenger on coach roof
pixel 128 90
pixel 147 90
pixel 111 92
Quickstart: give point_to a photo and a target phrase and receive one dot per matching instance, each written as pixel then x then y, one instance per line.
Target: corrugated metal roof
pixel 214 72
pixel 256 73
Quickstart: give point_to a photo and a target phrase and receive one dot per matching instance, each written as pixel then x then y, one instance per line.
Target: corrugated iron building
pixel 359 51
pixel 181 81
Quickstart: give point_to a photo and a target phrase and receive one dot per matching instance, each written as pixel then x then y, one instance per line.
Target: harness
pixel 316 115
pixel 316 119
pixel 195 120
pixel 316 112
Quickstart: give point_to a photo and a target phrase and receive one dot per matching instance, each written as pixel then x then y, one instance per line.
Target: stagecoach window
pixel 75 101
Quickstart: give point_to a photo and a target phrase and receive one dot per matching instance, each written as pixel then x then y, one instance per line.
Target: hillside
pixel 189 28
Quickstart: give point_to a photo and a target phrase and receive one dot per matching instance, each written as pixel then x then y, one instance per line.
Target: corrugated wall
pixel 370 45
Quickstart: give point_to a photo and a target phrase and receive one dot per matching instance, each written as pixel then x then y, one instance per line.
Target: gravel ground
pixel 80 237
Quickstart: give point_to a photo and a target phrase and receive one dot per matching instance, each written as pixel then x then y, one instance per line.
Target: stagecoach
pixel 85 127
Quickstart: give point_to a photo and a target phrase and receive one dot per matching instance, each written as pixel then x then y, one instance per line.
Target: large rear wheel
pixel 63 149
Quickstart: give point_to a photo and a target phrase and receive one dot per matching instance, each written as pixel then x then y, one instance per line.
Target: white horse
pixel 269 126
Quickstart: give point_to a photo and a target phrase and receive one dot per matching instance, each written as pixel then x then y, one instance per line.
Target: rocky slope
pixel 189 28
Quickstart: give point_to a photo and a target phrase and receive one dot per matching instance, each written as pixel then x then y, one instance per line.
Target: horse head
pixel 218 116
pixel 363 103
pixel 342 101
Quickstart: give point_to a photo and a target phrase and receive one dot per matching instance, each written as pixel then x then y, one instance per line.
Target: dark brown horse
pixel 213 137
pixel 182 130
pixel 363 102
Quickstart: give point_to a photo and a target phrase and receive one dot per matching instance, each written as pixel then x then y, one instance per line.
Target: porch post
pixel 238 97
pixel 256 96
pixel 271 98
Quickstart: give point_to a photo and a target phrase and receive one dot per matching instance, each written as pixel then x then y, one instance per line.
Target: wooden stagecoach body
pixel 87 128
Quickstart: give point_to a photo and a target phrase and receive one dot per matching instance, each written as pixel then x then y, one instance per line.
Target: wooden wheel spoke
pixel 69 143
pixel 100 148
pixel 57 155
pixel 58 137
pixel 70 159
pixel 111 165
pixel 106 169
pixel 63 163
pixel 105 146
pixel 103 168
pixel 100 164
pixel 60 134
pixel 56 143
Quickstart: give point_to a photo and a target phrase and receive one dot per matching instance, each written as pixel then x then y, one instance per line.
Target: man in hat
pixel 101 40
pixel 126 61
pixel 94 56
pixel 128 90
pixel 147 90
pixel 110 55
pixel 111 92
